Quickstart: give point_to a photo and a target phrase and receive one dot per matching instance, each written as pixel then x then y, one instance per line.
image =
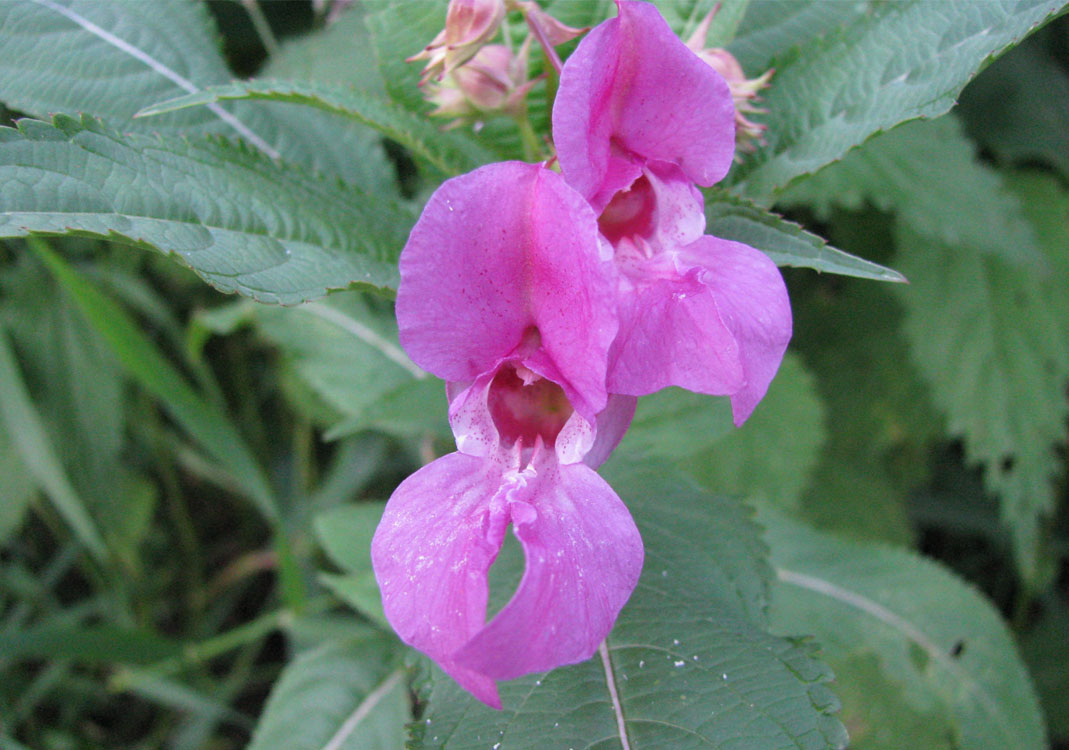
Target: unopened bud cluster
pixel 748 134
pixel 470 79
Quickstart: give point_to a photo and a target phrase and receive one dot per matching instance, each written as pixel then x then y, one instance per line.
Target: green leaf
pixel 26 432
pixel 1019 107
pixel 1046 651
pixel 109 59
pixel 79 393
pixel 930 633
pixel 447 152
pixel 835 93
pixel 398 31
pixel 223 210
pixel 345 350
pixel 151 370
pixel 878 712
pixel 336 54
pixel 17 488
pixel 327 55
pixel 112 58
pixel 345 533
pixel 985 338
pixel 773 454
pixel 881 425
pixel 87 644
pixel 688 662
pixel 928 174
pixel 771 29
pixel 676 424
pixel 734 218
pixel 1046 204
pixel 683 16
pixel 414 409
pixel 348 695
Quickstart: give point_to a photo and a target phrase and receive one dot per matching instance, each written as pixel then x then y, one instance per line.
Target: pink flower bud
pixel 469 25
pixel 748 134
pixel 492 82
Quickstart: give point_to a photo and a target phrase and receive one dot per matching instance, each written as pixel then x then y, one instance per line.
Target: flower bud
pixel 469 25
pixel 748 134
pixel 492 82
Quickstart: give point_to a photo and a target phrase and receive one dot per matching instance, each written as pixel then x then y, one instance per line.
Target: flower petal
pixel 439 534
pixel 498 252
pixel 752 302
pixel 633 92
pixel 584 555
pixel 672 333
pixel 612 423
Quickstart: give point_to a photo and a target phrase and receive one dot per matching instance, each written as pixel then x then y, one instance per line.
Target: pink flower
pixel 639 120
pixel 504 294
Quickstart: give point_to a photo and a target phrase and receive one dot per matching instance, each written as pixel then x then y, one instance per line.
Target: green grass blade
pixel 148 366
pixel 24 427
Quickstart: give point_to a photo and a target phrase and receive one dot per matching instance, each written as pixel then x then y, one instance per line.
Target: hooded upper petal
pixel 752 302
pixel 439 535
pixel 633 92
pixel 583 559
pixel 504 262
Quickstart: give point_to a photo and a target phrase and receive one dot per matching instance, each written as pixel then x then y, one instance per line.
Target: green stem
pixel 531 147
pixel 185 531
pixel 196 654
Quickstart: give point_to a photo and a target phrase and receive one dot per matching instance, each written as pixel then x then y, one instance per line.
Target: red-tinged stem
pixel 540 35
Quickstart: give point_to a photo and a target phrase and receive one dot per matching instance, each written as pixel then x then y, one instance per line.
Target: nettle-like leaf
pixel 774 453
pixel 688 664
pixel 110 59
pixel 881 423
pixel 772 29
pixel 1046 204
pixel 940 648
pixel 986 338
pixel 448 152
pixel 898 62
pixel 345 533
pixel 243 222
pixel 770 456
pixel 674 424
pixel 734 218
pixel 928 174
pixel 1019 108
pixel 336 54
pixel 398 31
pixel 344 695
